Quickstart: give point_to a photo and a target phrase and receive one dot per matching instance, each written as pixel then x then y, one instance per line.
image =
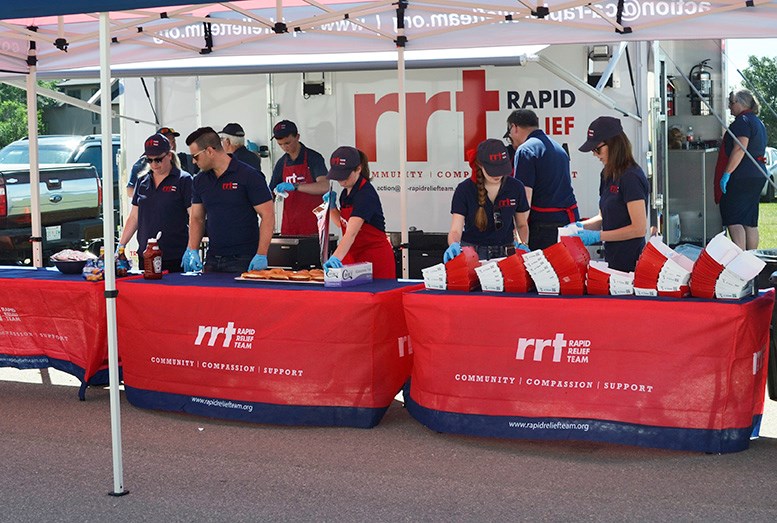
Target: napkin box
pixel 349 275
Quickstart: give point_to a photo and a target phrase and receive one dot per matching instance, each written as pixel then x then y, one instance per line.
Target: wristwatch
pixel 296 186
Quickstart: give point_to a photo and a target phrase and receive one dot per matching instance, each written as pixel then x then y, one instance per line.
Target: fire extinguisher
pixel 669 96
pixel 701 79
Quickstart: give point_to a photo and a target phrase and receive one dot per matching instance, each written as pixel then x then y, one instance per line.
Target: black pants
pixel 237 263
pixel 543 234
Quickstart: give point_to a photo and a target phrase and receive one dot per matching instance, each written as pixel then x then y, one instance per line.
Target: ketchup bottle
pixel 152 260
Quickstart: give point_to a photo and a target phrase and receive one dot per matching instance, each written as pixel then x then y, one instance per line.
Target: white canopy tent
pixel 47 39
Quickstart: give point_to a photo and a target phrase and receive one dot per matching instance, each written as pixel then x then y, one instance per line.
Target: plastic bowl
pixel 69 267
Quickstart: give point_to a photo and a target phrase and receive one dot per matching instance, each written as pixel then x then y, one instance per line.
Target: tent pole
pixel 110 267
pixel 404 236
pixel 32 132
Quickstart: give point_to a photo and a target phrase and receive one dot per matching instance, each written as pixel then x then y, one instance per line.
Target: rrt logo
pixel 404 346
pixel 229 186
pixel 505 202
pixel 243 337
pixel 474 101
pixel 577 350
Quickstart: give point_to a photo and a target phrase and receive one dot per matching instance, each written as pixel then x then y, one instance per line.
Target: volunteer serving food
pixel 360 215
pixel 230 194
pixel 489 210
pixel 160 203
pixel 623 196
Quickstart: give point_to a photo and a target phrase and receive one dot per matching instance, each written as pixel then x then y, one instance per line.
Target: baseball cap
pixel 283 129
pixel 233 129
pixel 156 145
pixel 342 163
pixel 601 129
pixel 168 130
pixel 492 156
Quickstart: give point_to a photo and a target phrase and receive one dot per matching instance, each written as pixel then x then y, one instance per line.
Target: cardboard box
pixel 349 275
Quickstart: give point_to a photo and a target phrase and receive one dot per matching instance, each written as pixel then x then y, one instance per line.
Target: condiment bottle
pixel 152 260
pixel 122 263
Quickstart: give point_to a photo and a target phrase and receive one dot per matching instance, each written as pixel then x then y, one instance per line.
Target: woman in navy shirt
pixel 360 216
pixel 623 196
pixel 743 179
pixel 161 203
pixel 489 211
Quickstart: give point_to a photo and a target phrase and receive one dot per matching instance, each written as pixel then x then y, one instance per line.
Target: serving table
pixel 268 352
pixel 50 319
pixel 684 374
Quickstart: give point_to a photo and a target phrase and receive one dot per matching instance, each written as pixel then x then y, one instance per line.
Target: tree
pixel 13 112
pixel 761 78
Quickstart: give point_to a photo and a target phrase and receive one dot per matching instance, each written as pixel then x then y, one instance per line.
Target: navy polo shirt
pixel 364 203
pixel 613 197
pixel 543 165
pixel 510 199
pixel 232 223
pixel 316 164
pixel 164 208
pixel 748 125
pixel 246 156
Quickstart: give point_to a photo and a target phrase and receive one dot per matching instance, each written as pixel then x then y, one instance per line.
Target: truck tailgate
pixel 66 193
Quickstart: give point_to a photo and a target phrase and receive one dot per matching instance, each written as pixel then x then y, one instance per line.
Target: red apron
pixel 370 245
pixel 569 210
pixel 298 217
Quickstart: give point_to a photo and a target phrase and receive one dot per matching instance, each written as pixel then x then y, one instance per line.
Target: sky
pixel 739 50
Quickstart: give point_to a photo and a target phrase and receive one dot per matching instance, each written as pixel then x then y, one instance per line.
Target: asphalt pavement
pixel 56 465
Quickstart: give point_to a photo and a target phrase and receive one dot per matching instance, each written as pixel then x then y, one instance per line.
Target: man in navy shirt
pixel 233 139
pixel 230 194
pixel 543 167
pixel 300 174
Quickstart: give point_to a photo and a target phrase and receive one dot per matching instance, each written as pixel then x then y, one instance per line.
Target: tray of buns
pixel 314 276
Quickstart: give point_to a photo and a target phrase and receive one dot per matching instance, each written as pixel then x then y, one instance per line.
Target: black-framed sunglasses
pixel 598 148
pixel 157 160
pixel 497 220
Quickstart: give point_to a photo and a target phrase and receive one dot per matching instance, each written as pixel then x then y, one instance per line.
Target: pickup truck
pixel 70 200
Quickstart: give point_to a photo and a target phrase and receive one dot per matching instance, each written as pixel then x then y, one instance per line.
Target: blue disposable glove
pixel 258 263
pixel 589 237
pixel 519 246
pixel 284 187
pixel 579 225
pixel 453 250
pixel 191 261
pixel 331 199
pixel 724 181
pixel 332 263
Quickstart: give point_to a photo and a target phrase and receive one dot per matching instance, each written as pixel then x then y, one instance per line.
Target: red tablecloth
pixel 49 319
pixel 265 352
pixel 683 374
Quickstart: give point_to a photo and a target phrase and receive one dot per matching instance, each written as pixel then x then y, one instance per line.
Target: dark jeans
pixel 486 252
pixel 543 234
pixel 237 263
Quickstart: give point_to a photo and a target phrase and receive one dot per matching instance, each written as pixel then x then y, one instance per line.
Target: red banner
pixel 262 344
pixel 690 364
pixel 48 319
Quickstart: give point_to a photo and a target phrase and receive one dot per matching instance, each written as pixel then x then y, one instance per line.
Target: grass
pixel 767 225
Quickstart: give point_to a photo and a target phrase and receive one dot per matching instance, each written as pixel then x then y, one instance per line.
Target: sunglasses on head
pixel 497 220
